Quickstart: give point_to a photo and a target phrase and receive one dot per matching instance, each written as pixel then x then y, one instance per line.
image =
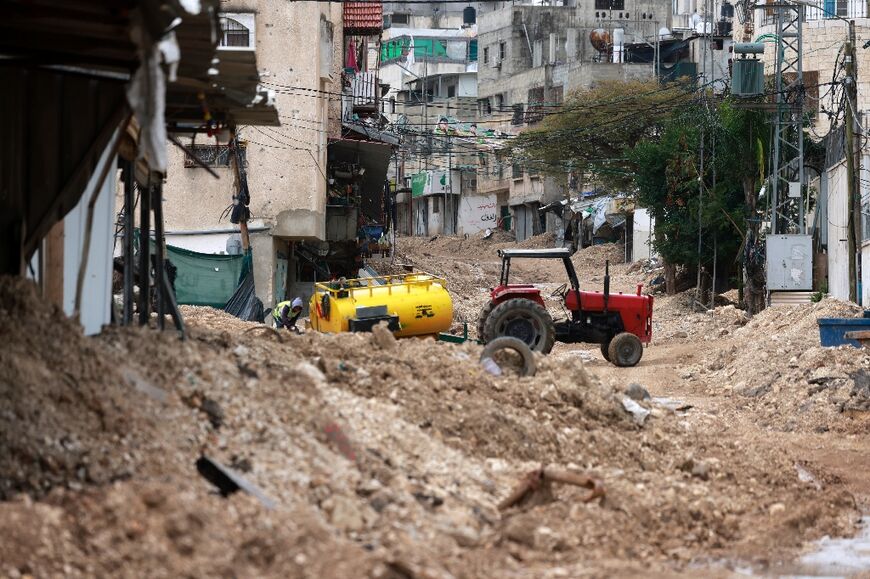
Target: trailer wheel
pixel 523 319
pixel 605 347
pixel 518 346
pixel 484 313
pixel 625 349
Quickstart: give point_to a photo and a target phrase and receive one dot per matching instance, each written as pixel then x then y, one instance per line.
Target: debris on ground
pixel 803 386
pixel 379 464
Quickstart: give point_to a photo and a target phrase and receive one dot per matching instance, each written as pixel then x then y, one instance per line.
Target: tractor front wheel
pixel 625 349
pixel 481 321
pixel 523 319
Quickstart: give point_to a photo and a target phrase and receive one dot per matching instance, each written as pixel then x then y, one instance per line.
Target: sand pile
pixel 71 414
pixel 776 368
pixel 593 257
pixel 390 456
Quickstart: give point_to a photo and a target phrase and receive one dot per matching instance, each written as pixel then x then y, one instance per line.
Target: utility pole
pixel 852 154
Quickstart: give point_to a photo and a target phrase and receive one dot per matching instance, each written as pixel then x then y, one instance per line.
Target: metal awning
pixel 371 132
pixel 230 92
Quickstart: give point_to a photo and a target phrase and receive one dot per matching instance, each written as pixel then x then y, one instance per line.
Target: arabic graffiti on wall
pixel 477 213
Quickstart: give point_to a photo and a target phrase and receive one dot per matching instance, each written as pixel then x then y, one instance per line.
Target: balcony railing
pixel 828 10
pixel 364 89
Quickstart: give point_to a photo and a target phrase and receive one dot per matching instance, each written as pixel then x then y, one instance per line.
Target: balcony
pixel 361 93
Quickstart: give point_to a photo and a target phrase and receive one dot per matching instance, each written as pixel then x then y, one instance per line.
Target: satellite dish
pixel 664 32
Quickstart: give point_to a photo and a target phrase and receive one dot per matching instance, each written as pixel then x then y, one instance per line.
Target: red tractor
pixel 621 323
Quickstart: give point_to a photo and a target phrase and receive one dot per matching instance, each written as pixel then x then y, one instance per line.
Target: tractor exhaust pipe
pixel 606 283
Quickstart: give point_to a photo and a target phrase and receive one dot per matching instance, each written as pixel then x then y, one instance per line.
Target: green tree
pixel 596 128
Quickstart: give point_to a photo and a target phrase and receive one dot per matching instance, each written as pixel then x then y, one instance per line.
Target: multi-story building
pixel 530 57
pixel 317 181
pixel 428 61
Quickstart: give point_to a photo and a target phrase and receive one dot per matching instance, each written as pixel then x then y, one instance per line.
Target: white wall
pixel 96 296
pixel 865 274
pixel 436 222
pixel 838 253
pixel 467 85
pixel 477 213
pixel 201 243
pixel 642 237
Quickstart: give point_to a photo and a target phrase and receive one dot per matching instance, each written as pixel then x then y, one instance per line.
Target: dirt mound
pixel 161 530
pixel 803 386
pixel 542 241
pixel 71 416
pixel 391 456
pixel 593 257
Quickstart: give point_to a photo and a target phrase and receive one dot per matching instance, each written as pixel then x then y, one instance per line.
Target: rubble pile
pixel 804 386
pixel 678 318
pixel 72 413
pixel 593 257
pixel 391 456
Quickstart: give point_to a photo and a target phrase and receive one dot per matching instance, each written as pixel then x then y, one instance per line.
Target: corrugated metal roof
pixel 363 17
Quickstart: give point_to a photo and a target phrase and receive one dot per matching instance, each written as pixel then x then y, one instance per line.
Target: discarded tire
pixel 508 343
pixel 625 349
pixel 523 319
pixel 605 347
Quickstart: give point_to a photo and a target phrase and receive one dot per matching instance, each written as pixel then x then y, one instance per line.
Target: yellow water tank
pixel 416 304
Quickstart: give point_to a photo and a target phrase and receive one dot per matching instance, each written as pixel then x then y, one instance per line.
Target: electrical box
pixel 747 79
pixel 789 262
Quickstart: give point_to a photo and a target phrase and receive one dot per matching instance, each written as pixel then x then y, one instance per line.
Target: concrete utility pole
pixel 852 153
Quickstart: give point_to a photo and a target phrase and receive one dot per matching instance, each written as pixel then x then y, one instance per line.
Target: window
pixel 484 107
pixel 451 91
pixel 516 171
pixel 436 204
pixel 486 55
pixel 211 155
pixel 610 4
pixel 472 51
pixel 401 18
pixel 499 102
pixel 502 47
pixel 234 33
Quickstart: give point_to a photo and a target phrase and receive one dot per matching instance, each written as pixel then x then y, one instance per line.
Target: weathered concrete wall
pixel 477 213
pixel 533 34
pixel 283 174
pixel 822 41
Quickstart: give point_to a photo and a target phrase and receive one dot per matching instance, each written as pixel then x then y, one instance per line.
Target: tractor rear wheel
pixel 605 350
pixel 625 349
pixel 523 319
pixel 484 313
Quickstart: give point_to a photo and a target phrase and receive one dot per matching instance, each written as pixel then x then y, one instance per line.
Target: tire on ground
pixel 523 319
pixel 625 350
pixel 484 313
pixel 518 346
pixel 605 346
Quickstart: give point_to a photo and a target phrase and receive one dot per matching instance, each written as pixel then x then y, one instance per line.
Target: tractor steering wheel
pixel 560 291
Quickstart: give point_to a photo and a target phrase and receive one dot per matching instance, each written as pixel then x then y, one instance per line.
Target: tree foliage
pixel 646 138
pixel 596 129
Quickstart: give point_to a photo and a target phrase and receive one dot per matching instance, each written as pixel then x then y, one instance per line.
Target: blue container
pixel 832 330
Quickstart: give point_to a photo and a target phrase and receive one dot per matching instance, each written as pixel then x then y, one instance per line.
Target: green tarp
pixel 205 279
